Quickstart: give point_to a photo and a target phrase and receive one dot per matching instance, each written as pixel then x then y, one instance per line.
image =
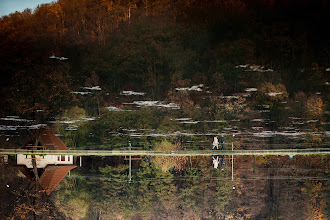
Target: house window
pixel 68 158
pixel 62 158
pixel 58 158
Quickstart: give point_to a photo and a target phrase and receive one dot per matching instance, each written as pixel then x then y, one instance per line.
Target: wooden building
pixel 49 169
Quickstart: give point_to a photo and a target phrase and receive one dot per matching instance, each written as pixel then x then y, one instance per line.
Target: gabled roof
pixel 46 139
pixel 50 141
pixel 27 172
pixel 53 175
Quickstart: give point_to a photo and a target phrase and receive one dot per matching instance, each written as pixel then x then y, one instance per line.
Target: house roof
pixel 46 139
pixel 27 172
pixel 50 141
pixel 53 175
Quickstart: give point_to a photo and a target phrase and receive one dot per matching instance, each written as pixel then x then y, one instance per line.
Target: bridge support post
pixel 130 164
pixel 232 161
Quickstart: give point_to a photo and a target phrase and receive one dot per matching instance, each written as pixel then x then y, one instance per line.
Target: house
pixel 51 169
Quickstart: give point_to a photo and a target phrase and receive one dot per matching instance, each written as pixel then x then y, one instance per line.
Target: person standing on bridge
pixel 222 141
pixel 215 143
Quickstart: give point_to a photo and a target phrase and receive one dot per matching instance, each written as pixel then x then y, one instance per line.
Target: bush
pixel 165 163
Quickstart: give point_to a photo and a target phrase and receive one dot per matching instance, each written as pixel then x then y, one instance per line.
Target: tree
pixel 165 163
pixel 316 199
pixel 314 107
pixel 40 89
pixel 73 126
pixel 72 198
pixel 271 97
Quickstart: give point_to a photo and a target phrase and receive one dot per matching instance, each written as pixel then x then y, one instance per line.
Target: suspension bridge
pixel 283 152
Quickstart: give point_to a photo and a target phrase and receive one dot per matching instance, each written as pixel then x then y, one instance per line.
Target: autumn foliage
pixel 165 163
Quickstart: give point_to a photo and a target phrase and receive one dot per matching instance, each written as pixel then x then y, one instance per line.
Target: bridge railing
pixel 308 151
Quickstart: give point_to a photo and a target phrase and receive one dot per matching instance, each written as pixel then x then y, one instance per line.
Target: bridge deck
pixel 308 151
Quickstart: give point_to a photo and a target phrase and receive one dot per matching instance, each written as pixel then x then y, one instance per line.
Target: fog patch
pixel 81 93
pixel 197 88
pixel 129 93
pixel 229 97
pixel 251 89
pixel 274 93
pixel 14 128
pixel 68 121
pixel 254 68
pixel 258 120
pixel 15 118
pixel 112 108
pixel 312 121
pixel 98 88
pixel 183 119
pixel 159 104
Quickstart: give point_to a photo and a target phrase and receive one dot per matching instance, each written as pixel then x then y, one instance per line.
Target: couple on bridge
pixel 216 160
pixel 216 142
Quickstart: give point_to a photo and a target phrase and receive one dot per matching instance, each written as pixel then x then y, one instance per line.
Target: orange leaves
pixel 182 98
pixel 314 107
pixel 316 199
pixel 165 163
pixel 273 93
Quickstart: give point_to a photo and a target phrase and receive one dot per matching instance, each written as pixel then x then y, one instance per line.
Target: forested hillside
pixel 155 46
pixel 169 75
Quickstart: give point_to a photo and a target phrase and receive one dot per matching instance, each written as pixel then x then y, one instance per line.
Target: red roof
pixel 53 175
pixel 50 141
pixel 26 172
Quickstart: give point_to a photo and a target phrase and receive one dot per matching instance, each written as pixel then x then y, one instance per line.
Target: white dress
pixel 215 141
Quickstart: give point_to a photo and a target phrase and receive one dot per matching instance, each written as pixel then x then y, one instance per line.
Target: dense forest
pixel 100 190
pixel 215 65
pixel 155 46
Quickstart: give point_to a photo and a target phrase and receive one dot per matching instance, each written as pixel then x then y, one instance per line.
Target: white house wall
pixel 43 161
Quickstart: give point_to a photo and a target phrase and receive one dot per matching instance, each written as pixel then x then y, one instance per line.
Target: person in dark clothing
pixel 222 141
